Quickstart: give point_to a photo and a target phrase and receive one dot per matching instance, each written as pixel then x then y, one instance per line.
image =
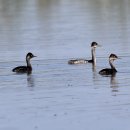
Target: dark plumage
pixel 22 69
pixel 112 70
pixel 107 71
pixel 25 69
pixel 84 61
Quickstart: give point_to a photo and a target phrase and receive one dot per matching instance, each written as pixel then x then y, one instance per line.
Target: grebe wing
pixel 78 61
pixel 107 71
pixel 20 69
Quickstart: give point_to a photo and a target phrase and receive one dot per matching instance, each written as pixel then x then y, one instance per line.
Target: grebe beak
pixel 34 56
pixel 99 45
pixel 118 57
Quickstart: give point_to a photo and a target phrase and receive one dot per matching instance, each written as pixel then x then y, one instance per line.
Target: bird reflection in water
pixel 114 84
pixel 95 76
pixel 94 67
pixel 30 81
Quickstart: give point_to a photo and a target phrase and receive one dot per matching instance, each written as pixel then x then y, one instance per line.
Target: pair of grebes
pixel 94 45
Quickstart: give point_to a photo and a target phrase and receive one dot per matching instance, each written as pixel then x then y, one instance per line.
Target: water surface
pixel 57 95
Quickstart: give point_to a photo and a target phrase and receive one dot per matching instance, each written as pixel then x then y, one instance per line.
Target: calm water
pixel 57 95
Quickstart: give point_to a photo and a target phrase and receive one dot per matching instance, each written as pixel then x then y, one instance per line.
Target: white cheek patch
pixel 28 57
pixel 112 59
pixel 94 46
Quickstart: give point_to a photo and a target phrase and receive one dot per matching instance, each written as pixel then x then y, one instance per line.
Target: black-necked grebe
pixel 112 70
pixel 84 61
pixel 25 69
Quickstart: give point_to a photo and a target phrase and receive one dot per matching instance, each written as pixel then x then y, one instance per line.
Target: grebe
pixel 112 70
pixel 25 69
pixel 84 61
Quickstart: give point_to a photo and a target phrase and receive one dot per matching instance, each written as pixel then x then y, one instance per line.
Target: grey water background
pixel 57 95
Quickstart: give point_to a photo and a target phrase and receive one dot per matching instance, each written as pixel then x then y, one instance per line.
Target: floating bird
pixel 112 70
pixel 25 69
pixel 84 61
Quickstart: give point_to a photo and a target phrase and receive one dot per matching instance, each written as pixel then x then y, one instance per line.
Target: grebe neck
pixel 111 64
pixel 93 55
pixel 28 62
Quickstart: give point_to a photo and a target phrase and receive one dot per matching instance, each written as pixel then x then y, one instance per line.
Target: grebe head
pixel 95 44
pixel 29 55
pixel 113 57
